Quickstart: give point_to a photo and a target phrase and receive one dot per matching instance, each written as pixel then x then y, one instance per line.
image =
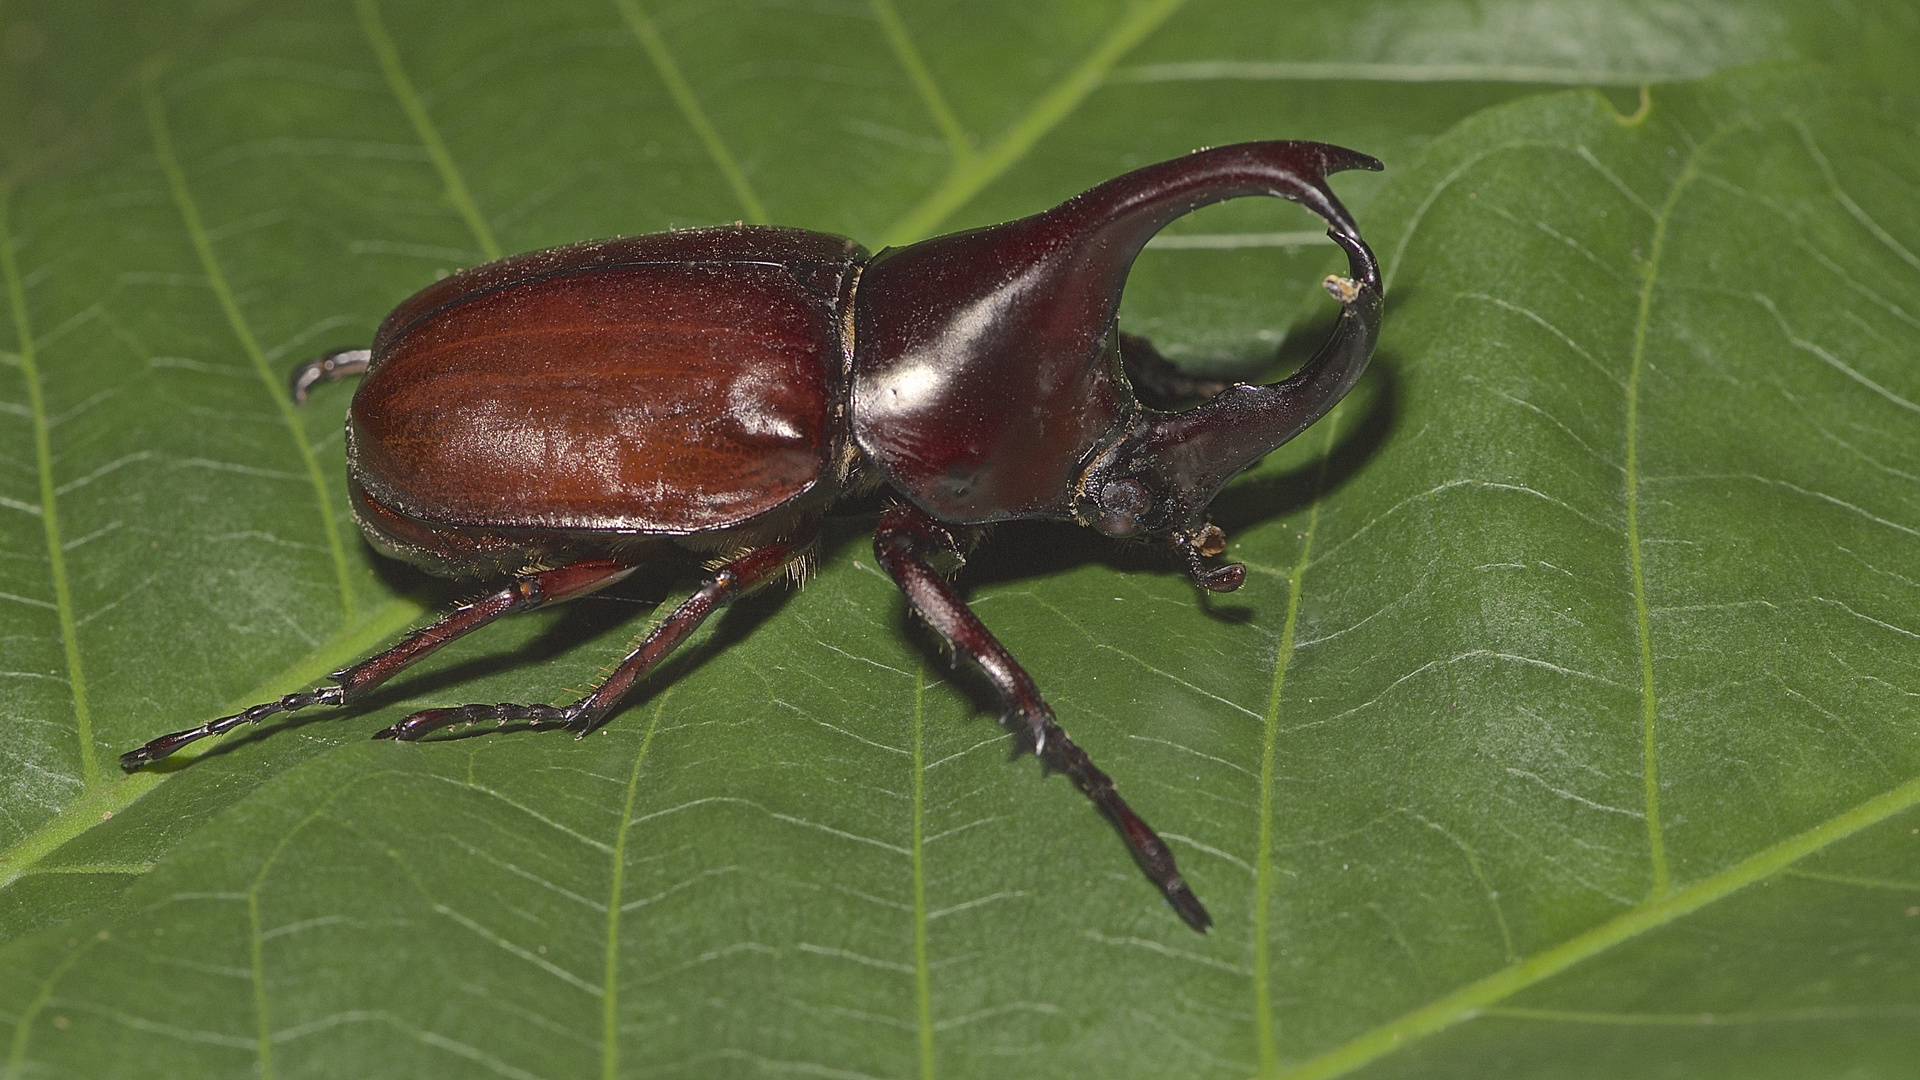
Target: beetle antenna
pixel 328 367
pixel 1214 579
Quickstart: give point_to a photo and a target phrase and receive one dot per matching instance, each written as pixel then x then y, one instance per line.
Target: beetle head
pixel 1156 478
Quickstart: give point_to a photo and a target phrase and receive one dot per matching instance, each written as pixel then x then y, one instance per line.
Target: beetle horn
pixel 1171 464
pixel 984 377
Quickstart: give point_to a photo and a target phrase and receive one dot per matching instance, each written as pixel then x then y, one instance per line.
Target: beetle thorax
pixel 985 372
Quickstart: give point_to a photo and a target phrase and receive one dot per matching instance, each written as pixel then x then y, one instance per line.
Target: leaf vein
pixel 375 31
pixel 617 860
pixel 975 172
pixel 1264 872
pixel 49 509
pixel 1476 997
pixel 909 56
pixel 696 117
pixel 237 322
pixel 922 975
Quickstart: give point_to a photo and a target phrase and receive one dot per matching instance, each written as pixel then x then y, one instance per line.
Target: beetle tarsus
pixel 427 721
pixel 1188 906
pixel 1149 851
pixel 165 745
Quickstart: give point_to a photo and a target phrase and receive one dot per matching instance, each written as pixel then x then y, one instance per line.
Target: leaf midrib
pixel 969 175
pixel 276 388
pixel 617 860
pixel 1650 701
pixel 1264 1037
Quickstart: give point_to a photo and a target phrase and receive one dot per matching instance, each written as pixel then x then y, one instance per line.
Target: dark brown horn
pixel 1024 312
pixel 1204 447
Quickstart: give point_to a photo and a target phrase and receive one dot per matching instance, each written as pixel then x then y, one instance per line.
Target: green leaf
pixel 1564 726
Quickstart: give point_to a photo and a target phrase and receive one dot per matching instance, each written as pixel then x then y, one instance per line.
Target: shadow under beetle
pixel 554 417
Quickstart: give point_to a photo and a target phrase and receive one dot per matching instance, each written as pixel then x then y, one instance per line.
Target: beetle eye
pixel 1121 502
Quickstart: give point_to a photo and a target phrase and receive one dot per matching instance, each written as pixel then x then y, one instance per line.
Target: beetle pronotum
pixel 553 418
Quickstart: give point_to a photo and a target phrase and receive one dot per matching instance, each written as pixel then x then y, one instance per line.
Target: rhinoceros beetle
pixel 555 418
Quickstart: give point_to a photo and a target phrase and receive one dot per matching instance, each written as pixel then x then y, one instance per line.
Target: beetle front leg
pixel 730 582
pixel 903 541
pixel 532 591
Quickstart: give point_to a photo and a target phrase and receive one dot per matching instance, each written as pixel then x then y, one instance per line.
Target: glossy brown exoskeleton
pixel 555 418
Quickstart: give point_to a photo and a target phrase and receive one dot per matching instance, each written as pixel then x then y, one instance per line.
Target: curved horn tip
pixel 1340 159
pixel 1360 261
pixel 1223 579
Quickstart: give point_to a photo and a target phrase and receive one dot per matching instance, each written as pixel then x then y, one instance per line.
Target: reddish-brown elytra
pixel 554 418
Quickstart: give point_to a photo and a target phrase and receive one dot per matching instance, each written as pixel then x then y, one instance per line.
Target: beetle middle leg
pixel 902 543
pixel 736 578
pixel 530 592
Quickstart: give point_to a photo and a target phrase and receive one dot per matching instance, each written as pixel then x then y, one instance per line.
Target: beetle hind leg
pixel 532 591
pixel 730 582
pixel 904 541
